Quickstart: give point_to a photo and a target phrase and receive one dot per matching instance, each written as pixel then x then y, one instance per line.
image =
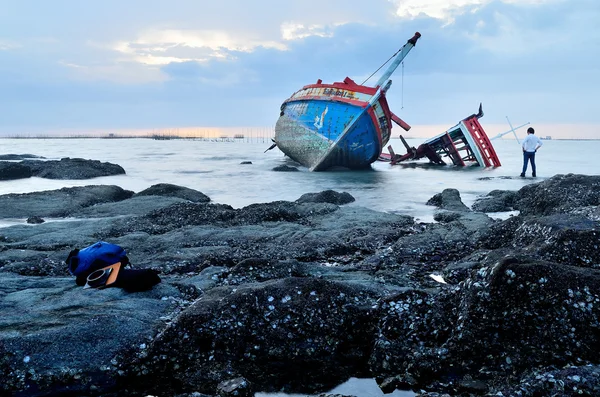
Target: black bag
pixel 137 280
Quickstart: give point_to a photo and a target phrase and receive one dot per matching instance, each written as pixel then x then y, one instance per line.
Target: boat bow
pixel 341 124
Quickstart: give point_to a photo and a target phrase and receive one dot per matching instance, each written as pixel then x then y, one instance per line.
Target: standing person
pixel 530 145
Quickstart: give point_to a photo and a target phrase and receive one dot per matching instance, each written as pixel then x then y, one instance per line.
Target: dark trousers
pixel 528 157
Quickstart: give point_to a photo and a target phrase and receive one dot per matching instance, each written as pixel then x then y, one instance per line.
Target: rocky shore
pixel 300 296
pixel 20 166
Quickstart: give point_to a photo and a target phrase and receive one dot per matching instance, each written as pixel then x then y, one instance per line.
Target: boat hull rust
pixel 343 124
pixel 324 126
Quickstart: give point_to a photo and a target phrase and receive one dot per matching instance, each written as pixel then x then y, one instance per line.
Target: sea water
pixel 353 387
pixel 215 168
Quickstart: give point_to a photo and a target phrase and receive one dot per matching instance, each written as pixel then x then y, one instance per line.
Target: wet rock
pixel 518 314
pixel 327 196
pixel 568 381
pixel 398 382
pixel 238 387
pixel 472 386
pixel 536 314
pixel 495 201
pixel 58 203
pixel 412 330
pixel 449 200
pixel 169 190
pixel 459 271
pixel 564 238
pixel 560 193
pixel 260 269
pixel 192 214
pixel 35 220
pixel 59 339
pixel 72 168
pixel 129 208
pixel 298 335
pixel 285 168
pixel 451 240
pixel 188 237
pixel 446 216
pixel 9 171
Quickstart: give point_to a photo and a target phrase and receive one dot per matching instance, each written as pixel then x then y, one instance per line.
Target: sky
pixel 126 65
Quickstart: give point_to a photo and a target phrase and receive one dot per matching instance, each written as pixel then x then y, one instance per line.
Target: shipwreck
pixel 465 144
pixel 343 124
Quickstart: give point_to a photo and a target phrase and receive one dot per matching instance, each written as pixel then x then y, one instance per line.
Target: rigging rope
pixel 378 69
pixel 402 84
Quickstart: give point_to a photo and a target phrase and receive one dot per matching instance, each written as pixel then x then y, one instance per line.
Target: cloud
pixel 161 47
pixel 6 45
pixel 448 10
pixel 205 77
pixel 157 64
pixel 296 31
pixel 438 9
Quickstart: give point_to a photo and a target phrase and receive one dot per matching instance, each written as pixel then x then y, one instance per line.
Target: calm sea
pixel 214 168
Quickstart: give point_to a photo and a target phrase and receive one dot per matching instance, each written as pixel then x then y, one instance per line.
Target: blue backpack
pixel 96 256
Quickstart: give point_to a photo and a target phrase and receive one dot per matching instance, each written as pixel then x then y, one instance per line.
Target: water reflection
pixel 352 387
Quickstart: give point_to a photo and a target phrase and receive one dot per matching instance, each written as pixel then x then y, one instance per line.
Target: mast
pixel 512 129
pixel 402 53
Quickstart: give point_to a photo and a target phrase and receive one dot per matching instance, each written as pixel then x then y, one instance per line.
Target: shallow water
pixel 214 168
pixel 353 387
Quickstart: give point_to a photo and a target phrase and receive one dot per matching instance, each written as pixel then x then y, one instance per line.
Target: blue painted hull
pixel 321 134
pixel 343 124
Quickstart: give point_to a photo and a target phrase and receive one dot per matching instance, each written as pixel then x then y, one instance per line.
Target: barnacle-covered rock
pixel 572 239
pixel 293 334
pixel 568 381
pixel 409 347
pixel 559 194
pixel 327 196
pixel 513 316
pixel 495 201
pixel 302 296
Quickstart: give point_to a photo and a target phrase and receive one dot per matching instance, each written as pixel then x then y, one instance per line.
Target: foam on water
pixel 215 169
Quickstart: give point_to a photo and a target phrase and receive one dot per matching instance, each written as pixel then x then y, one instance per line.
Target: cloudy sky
pixel 128 64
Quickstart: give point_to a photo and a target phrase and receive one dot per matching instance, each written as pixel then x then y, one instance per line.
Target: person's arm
pixel 539 144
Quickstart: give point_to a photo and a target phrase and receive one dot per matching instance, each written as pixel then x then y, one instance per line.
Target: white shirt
pixel 531 143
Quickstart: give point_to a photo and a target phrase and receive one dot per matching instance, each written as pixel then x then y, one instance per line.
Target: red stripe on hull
pixel 377 126
pixel 354 102
pixel 388 115
pixel 347 84
pixel 483 142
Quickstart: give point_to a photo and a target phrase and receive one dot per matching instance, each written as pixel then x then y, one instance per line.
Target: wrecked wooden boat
pixel 343 124
pixel 465 144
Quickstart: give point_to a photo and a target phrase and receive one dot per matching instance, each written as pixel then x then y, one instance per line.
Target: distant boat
pixel 343 124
